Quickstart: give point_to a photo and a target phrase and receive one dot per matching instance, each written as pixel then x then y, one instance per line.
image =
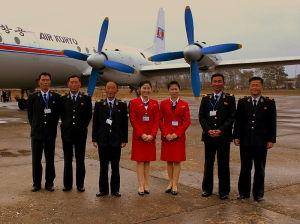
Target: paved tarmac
pixel 19 205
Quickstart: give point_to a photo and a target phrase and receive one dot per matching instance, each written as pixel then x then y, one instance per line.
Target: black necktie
pixel 45 98
pixel 146 103
pixel 110 108
pixel 74 98
pixel 254 104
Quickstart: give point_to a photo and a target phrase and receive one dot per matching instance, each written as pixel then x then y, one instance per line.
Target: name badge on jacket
pixel 212 113
pixel 47 111
pixel 109 121
pixel 175 123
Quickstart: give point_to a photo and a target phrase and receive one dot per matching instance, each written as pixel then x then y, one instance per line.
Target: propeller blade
pixel 102 34
pixel 167 56
pixel 189 25
pixel 221 48
pixel 92 82
pixel 195 73
pixel 118 66
pixel 75 55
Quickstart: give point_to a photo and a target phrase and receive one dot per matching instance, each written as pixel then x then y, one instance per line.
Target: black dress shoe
pixel 101 194
pixel 67 189
pixel 81 189
pixel 141 193
pixel 35 189
pixel 174 192
pixel 224 196
pixel 146 191
pixel 206 194
pixel 259 199
pixel 168 190
pixel 116 194
pixel 49 188
pixel 242 197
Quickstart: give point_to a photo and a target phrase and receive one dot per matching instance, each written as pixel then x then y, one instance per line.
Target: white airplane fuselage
pixel 23 56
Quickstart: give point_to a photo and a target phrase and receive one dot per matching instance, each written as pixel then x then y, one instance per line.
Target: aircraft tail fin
pixel 159 34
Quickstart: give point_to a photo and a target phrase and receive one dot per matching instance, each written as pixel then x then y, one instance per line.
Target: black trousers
pixel 38 146
pixel 223 152
pixel 108 154
pixel 70 147
pixel 248 155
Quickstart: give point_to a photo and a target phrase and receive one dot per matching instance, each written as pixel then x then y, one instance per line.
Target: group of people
pixel 254 122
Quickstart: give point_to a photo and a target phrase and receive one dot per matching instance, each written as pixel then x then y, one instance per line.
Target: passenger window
pixel 78 48
pixel 17 40
pixel 87 50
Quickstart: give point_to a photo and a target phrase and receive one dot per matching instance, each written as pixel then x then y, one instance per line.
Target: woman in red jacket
pixel 174 120
pixel 144 118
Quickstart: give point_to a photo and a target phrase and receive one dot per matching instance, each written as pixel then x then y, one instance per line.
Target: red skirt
pixel 143 151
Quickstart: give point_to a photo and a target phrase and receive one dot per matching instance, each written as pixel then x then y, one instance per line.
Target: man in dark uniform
pixel 76 114
pixel 255 133
pixel 110 134
pixel 43 115
pixel 216 116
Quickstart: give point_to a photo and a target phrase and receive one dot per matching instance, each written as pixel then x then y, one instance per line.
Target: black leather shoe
pixel 35 189
pixel 101 194
pixel 174 192
pixel 116 194
pixel 206 194
pixel 224 196
pixel 49 188
pixel 67 189
pixel 146 191
pixel 168 190
pixel 242 197
pixel 141 193
pixel 81 189
pixel 259 199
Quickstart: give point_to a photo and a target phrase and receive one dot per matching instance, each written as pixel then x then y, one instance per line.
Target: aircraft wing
pixel 157 69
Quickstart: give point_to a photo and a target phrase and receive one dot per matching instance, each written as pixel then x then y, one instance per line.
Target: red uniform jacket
pixel 174 121
pixel 141 150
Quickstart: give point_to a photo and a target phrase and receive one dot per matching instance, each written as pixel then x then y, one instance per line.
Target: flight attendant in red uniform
pixel 174 121
pixel 144 118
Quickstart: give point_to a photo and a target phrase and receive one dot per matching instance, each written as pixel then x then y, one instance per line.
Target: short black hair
pixel 217 75
pixel 44 74
pixel 145 82
pixel 112 82
pixel 256 78
pixel 173 83
pixel 73 76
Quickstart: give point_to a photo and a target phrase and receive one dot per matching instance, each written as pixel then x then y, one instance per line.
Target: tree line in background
pixel 274 77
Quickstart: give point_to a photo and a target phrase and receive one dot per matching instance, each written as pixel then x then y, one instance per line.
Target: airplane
pixel 25 54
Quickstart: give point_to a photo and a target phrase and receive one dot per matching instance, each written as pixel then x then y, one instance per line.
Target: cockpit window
pixel 87 50
pixel 17 40
pixel 117 49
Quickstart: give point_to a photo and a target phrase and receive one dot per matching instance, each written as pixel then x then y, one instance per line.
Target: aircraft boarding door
pixel 30 39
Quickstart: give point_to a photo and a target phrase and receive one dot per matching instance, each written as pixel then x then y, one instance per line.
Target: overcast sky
pixel 269 28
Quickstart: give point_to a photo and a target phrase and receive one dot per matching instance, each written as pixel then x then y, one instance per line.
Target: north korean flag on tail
pixel 160 33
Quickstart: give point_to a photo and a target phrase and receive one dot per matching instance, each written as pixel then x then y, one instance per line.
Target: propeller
pixel 193 52
pixel 99 60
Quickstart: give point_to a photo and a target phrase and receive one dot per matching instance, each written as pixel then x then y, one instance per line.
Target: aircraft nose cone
pixel 96 61
pixel 192 52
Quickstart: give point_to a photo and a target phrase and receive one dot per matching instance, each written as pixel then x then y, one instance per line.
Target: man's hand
pixel 95 144
pixel 236 142
pixel 270 145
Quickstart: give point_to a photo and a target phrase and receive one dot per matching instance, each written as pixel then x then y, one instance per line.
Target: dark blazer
pixel 110 135
pixel 43 125
pixel 224 116
pixel 255 126
pixel 75 117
